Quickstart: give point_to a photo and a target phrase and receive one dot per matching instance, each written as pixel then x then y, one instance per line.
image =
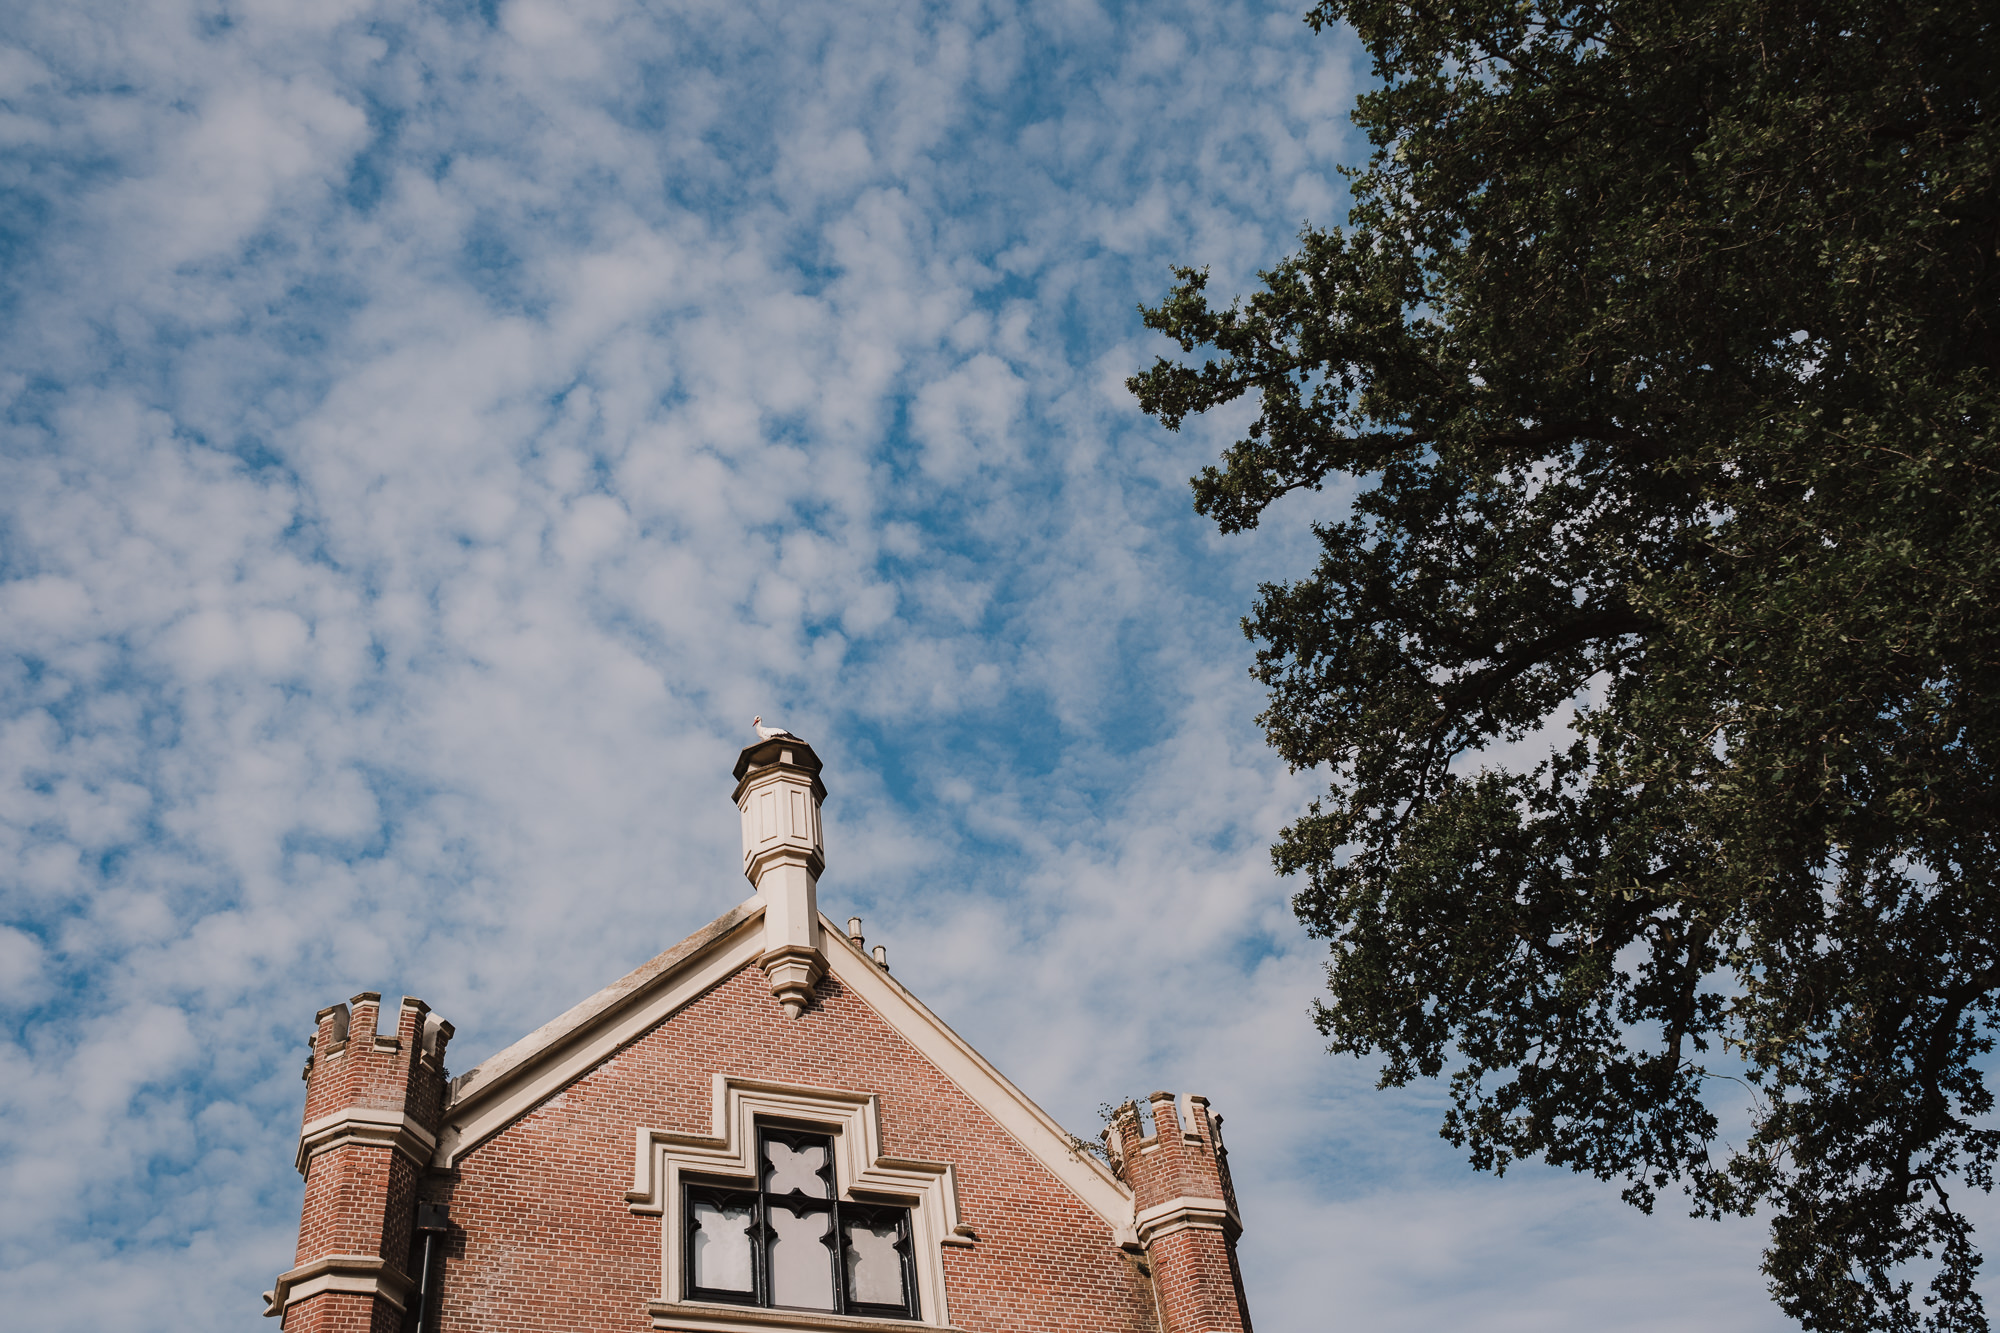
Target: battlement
pixel 375 1096
pixel 1181 1158
pixel 354 1063
pixel 1183 1209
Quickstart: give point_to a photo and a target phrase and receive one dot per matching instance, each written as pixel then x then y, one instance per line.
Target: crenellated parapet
pixel 375 1095
pixel 1183 1210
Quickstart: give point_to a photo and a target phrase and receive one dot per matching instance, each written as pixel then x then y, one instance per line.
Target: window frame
pixel 841 1211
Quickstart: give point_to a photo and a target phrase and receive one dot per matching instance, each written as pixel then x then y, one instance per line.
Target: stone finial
pixel 779 793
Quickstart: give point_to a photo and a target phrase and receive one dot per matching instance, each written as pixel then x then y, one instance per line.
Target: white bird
pixel 765 733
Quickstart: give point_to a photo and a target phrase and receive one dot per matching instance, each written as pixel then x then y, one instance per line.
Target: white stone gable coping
pixel 506 1086
pixel 1032 1127
pixel 476 1081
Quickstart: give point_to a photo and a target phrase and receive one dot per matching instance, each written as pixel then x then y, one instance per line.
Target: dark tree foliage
pixel 1661 350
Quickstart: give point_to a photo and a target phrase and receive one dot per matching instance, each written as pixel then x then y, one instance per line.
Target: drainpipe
pixel 433 1224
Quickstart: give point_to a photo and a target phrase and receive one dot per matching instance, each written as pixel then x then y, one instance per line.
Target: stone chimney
pixel 779 793
pixel 374 1103
pixel 1184 1211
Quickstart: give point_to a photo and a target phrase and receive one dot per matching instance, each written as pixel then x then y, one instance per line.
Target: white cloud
pixel 966 419
pixel 20 966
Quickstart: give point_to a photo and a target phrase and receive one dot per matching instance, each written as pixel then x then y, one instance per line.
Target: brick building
pixel 760 1129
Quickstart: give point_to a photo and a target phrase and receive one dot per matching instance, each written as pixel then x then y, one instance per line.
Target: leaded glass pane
pixel 874 1264
pixel 796 1168
pixel 801 1264
pixel 722 1246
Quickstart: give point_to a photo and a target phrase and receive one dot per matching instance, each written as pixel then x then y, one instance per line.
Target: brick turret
pixel 374 1102
pixel 1184 1211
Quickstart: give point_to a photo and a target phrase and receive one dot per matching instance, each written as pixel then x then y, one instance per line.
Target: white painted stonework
pixel 930 1189
pixel 778 795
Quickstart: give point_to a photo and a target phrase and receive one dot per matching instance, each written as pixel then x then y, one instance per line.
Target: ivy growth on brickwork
pixel 1660 351
pixel 1107 1112
pixel 1082 1147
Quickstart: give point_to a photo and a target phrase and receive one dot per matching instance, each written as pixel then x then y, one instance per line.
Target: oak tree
pixel 1660 357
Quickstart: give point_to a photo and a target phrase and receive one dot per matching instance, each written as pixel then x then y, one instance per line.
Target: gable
pixel 764 1044
pixel 634 1163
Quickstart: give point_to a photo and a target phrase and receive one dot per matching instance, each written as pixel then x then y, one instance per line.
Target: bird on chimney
pixel 765 733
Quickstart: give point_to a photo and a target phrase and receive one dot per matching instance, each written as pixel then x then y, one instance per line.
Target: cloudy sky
pixel 432 430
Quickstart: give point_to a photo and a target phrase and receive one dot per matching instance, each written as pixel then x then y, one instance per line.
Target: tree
pixel 1660 350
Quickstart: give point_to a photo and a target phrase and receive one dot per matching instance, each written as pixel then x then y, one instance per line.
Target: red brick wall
pixel 342 1312
pixel 543 1239
pixel 348 1193
pixel 1197 1282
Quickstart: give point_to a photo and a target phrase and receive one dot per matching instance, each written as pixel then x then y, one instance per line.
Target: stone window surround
pixel 928 1189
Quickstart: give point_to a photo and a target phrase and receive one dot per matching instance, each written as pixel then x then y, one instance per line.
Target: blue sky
pixel 431 431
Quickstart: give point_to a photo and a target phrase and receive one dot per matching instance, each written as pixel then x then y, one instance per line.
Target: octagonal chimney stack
pixel 778 793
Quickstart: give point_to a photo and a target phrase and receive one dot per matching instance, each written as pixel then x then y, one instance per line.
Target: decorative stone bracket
pixel 357 1274
pixel 1164 1219
pixel 795 971
pixel 369 1126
